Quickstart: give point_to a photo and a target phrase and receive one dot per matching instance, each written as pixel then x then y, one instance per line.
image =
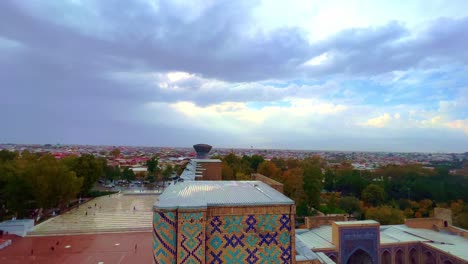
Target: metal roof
pixel 452 244
pixel 361 222
pixel 207 160
pixel 455 245
pixel 316 238
pixel 303 251
pixel 199 194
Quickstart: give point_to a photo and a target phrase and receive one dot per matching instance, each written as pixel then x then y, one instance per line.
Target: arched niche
pixel 359 257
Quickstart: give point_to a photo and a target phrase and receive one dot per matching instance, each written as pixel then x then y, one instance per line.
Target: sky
pixel 355 75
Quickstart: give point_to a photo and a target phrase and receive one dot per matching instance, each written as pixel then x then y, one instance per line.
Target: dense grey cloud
pixel 83 74
pixel 373 51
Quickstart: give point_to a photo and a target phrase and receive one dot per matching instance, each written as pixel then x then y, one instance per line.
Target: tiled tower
pixel 223 222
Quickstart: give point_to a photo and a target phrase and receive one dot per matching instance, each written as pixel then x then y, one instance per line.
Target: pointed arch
pixel 399 257
pixel 413 256
pixel 359 256
pixel 386 257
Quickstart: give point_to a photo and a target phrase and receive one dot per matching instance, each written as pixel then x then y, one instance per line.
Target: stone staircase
pixel 103 214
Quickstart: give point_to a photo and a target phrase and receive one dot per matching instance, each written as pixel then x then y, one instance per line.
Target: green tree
pixel 16 188
pixel 87 167
pixel 373 194
pixel 349 204
pixel 312 184
pixel 6 155
pixel 152 165
pixel 385 215
pixel 330 180
pixel 255 161
pixel 237 165
pixel 128 174
pixel 112 173
pixel 166 173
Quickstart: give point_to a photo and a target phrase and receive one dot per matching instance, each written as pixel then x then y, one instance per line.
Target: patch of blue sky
pixel 415 87
pixel 6 43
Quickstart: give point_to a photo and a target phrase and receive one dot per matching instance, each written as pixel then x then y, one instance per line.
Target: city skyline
pixel 351 76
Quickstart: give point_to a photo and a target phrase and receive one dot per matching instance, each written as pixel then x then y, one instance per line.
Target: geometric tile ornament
pixel 221 239
pixel 191 247
pixel 164 237
pixel 249 239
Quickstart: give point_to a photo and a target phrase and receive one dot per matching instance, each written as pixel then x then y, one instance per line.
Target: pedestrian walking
pixel 86 213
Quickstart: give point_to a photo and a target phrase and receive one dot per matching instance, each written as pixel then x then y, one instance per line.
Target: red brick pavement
pixel 108 248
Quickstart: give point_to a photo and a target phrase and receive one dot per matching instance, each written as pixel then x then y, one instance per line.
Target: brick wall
pixel 273 184
pixel 212 171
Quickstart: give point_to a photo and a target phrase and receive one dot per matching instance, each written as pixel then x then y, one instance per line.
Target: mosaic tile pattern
pixel 249 239
pixel 191 238
pixel 164 237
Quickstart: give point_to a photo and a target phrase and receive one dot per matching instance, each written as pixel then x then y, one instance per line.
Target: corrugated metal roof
pixel 324 258
pixel 303 251
pixel 316 238
pixel 452 244
pixel 195 194
pixel 361 222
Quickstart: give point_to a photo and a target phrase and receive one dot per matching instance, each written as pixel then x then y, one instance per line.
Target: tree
pixel 373 194
pixel 166 173
pixel 6 155
pixel 255 161
pixel 349 204
pixel 227 173
pixel 292 184
pixel 32 181
pixel 152 165
pixel 385 215
pixel 312 184
pixel 112 173
pixel 280 163
pixel 270 170
pixel 87 167
pixel 128 174
pixel 330 180
pixel 237 165
pixel 54 183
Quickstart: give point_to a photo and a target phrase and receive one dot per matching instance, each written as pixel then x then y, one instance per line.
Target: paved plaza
pixel 106 248
pixel 115 213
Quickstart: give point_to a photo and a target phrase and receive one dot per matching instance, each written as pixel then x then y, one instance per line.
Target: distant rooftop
pixel 196 194
pixel 206 160
pixel 351 223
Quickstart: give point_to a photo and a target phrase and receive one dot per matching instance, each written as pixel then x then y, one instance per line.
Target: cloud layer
pixel 171 73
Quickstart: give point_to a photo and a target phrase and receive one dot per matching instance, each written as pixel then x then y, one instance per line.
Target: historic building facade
pixel 223 222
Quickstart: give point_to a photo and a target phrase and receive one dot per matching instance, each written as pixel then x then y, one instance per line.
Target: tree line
pixel 388 194
pixel 302 179
pixel 31 180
